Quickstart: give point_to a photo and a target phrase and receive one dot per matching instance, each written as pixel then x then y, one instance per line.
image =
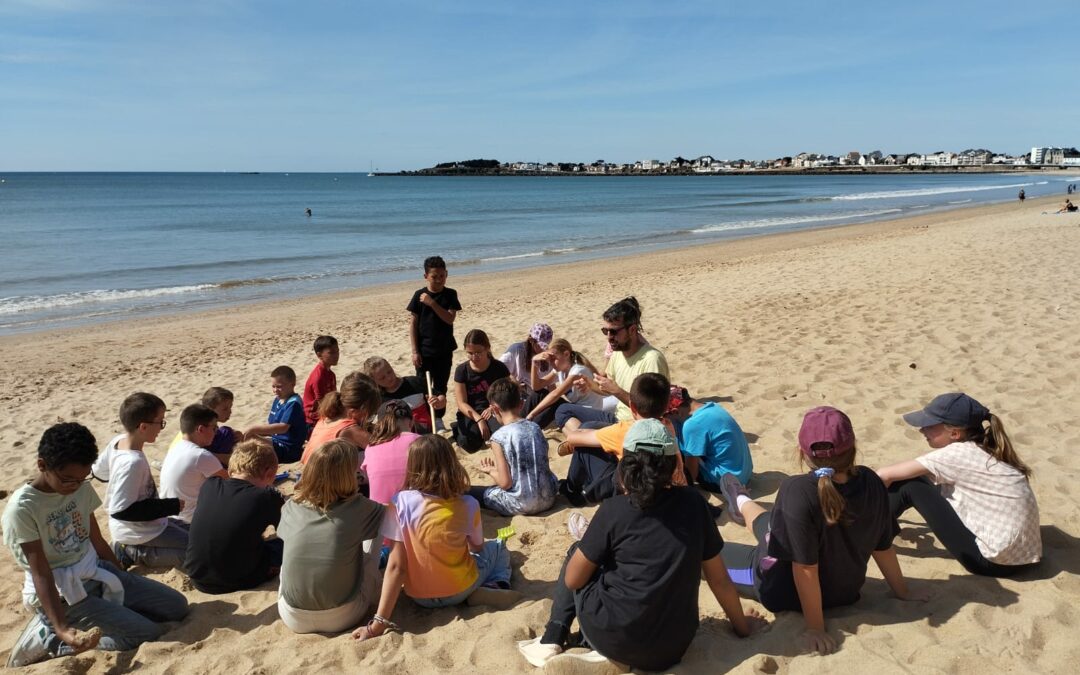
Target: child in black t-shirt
pixel 476 419
pixel 431 331
pixel 411 389
pixel 226 551
pixel 632 582
pixel 813 547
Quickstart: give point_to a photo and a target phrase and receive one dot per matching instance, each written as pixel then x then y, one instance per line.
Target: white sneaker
pixel 537 653
pixel 32 645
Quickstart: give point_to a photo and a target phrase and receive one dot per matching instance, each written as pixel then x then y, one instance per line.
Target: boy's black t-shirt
pixel 436 336
pixel 477 383
pixel 642 607
pixel 799 534
pixel 411 390
pixel 225 550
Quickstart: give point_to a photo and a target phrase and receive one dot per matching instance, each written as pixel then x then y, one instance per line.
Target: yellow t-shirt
pixel 647 359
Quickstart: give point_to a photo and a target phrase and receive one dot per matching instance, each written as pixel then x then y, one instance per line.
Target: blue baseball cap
pixel 955 409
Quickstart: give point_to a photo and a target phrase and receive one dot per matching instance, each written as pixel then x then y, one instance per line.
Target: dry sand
pixel 874 319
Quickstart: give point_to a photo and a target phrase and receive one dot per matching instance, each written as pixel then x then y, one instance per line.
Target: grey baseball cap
pixel 955 409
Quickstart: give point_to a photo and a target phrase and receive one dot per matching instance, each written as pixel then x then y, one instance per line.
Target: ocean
pixel 89 247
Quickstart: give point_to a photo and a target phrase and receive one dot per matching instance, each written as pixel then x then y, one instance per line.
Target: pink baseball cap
pixel 826 425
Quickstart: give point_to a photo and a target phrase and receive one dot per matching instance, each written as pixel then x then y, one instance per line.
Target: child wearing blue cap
pixel 632 581
pixel 972 489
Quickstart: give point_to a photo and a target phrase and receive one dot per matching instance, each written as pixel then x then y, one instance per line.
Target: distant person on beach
pixel 813 547
pixel 431 329
pixel 438 553
pixel 1068 207
pixel 411 388
pixel 387 454
pixel 570 379
pixel 596 452
pixel 713 446
pixel 322 379
pixel 344 414
pixel 524 484
pixel 329 578
pixel 285 425
pixel 972 489
pixel 518 357
pixel 476 419
pixel 188 464
pixel 77 589
pixel 226 550
pixel 1022 196
pixel 139 521
pixel 632 580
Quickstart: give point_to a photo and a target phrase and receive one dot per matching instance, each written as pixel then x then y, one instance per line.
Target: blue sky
pixel 238 85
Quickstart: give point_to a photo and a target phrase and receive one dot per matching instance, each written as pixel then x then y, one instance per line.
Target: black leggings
pixel 439 366
pixel 927 499
pixel 563 608
pixel 467 432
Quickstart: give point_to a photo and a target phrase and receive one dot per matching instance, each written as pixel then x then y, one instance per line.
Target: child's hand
pixel 80 642
pixel 486 415
pixel 755 622
pixel 818 641
pixel 915 594
pixel 416 360
pixel 438 402
pixel 426 299
pixel 487 465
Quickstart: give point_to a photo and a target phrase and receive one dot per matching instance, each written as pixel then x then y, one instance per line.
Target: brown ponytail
pixel 562 346
pixel 832 502
pixel 331 407
pixel 995 442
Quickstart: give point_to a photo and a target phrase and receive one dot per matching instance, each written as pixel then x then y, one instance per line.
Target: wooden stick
pixel 431 406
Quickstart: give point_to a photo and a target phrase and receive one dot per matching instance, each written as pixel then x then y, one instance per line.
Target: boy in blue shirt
pixel 286 425
pixel 713 445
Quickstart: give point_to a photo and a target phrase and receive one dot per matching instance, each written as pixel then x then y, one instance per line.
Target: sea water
pixel 89 247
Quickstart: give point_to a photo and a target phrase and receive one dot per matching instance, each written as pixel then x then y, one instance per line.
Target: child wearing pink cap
pixel 826 524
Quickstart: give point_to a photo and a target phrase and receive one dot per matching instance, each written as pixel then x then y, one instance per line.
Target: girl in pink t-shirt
pixel 438 551
pixel 388 452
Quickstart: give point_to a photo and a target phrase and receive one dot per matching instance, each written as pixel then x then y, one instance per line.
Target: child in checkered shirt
pixel 972 489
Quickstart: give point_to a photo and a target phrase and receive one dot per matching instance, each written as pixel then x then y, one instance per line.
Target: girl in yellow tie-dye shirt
pixel 438 550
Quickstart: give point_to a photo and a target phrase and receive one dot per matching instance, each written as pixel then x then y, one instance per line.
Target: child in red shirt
pixel 322 380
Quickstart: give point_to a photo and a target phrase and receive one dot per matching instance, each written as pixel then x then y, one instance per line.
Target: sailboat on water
pixel 371 172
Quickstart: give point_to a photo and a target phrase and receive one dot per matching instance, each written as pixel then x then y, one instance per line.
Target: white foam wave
pixel 894 194
pixel 962 201
pixel 500 258
pixel 28 303
pixel 793 220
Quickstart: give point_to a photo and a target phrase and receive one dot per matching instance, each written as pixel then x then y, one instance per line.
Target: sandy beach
pixel 875 319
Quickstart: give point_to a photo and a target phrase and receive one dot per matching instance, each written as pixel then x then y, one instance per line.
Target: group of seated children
pixel 385 492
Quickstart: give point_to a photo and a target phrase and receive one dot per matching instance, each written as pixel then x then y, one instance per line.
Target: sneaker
pixel 120 551
pixel 538 653
pixel 577 523
pixel 731 488
pixel 32 645
pixel 439 426
pixel 576 499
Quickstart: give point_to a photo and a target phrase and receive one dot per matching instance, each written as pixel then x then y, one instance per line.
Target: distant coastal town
pixel 972 160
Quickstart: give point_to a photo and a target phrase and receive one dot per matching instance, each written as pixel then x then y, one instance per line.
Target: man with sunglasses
pixel 631 356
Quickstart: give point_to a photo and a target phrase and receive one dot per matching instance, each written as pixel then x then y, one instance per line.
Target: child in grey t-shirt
pixel 519 461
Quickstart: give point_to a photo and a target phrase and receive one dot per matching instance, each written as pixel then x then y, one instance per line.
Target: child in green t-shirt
pixel 76 587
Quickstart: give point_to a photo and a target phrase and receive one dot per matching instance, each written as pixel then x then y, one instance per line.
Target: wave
pixel 792 220
pixel 18 304
pixel 894 194
pixel 962 201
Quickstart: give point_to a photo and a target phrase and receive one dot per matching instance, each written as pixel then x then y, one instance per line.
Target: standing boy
pixel 285 425
pixel 322 379
pixel 142 532
pixel 226 551
pixel 73 580
pixel 431 331
pixel 188 463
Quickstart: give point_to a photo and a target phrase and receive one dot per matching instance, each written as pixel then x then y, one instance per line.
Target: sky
pixel 267 85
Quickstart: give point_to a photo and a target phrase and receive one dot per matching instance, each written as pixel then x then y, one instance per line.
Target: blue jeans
pixel 493 565
pixel 123 627
pixel 168 549
pixel 590 418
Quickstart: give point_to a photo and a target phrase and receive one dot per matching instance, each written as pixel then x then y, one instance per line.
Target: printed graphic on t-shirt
pixel 67 531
